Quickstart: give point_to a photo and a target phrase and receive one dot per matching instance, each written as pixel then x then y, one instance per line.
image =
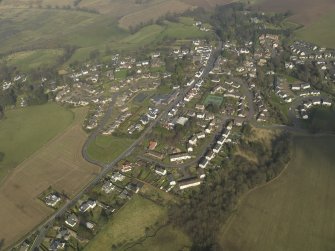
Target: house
pixel 179 157
pixel 134 187
pixel 238 121
pixel 52 199
pixel 107 187
pixel 201 173
pixel 326 103
pixel 203 163
pixel 295 87
pixel 189 182
pixel 71 220
pixel 201 135
pixel 56 244
pixel 193 140
pixel 171 179
pixel 229 125
pixel 190 149
pixel 155 154
pixel 200 115
pixel 117 177
pixel 152 145
pixel 305 86
pixel 181 121
pixel 221 140
pixel 210 155
pixel 217 148
pixel 200 107
pixel 160 170
pixel 144 119
pixel 126 167
pixel 87 205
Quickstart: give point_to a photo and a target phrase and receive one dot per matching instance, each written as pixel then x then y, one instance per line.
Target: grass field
pixel 128 224
pixel 214 100
pixel 107 148
pixel 296 211
pixel 59 164
pixel 26 130
pixel 27 60
pixel 166 239
pixel 321 31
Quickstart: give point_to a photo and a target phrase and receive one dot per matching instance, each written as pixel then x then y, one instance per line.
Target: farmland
pixel 321 31
pixel 129 224
pixel 295 211
pixel 59 164
pixel 26 130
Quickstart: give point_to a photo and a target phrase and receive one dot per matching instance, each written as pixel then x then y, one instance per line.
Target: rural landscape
pixel 199 125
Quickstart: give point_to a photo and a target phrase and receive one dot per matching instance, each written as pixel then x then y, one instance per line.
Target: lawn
pixel 25 130
pixel 296 211
pixel 129 224
pixel 108 148
pixel 321 31
pixel 214 100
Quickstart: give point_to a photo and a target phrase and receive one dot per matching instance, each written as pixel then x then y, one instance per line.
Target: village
pixel 196 117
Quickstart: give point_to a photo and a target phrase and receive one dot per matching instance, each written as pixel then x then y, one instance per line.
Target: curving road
pixel 43 228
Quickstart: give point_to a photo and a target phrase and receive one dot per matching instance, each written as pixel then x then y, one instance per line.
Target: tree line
pixel 201 213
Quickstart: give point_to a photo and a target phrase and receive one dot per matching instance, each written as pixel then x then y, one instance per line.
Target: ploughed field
pixel 294 212
pixel 58 163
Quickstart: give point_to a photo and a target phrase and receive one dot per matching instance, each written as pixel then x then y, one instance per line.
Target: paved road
pixel 43 228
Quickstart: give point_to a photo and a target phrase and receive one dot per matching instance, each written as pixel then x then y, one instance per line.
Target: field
pixel 59 164
pixel 294 212
pixel 107 148
pixel 214 100
pixel 27 60
pixel 129 224
pixel 320 32
pixel 166 239
pixel 152 13
pixel 26 130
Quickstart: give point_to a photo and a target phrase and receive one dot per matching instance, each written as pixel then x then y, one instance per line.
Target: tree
pixel 2 112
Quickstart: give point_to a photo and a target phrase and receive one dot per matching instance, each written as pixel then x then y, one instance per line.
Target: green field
pixel 107 148
pixel 321 31
pixel 25 130
pixel 128 225
pixel 295 212
pixel 166 239
pixel 28 60
pixel 214 100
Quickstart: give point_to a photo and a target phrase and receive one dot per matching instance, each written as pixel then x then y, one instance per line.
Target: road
pixel 43 228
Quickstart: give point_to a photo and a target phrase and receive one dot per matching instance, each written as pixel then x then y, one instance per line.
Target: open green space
pixel 294 212
pixel 129 224
pixel 320 32
pixel 166 239
pixel 214 100
pixel 25 130
pixel 27 60
pixel 108 148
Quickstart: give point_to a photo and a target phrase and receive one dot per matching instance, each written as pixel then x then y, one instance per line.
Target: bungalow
pixel 317 102
pixel 160 170
pixel 71 220
pixel 152 145
pixel 85 206
pixel 326 103
pixel 179 157
pixel 190 149
pixel 189 182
